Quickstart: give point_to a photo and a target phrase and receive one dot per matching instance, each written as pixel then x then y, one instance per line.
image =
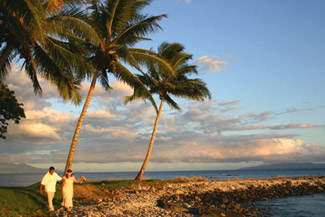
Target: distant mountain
pixel 286 166
pixel 19 168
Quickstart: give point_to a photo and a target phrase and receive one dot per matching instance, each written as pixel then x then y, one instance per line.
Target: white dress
pixel 67 192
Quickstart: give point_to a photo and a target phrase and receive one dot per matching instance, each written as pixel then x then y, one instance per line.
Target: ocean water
pixel 298 206
pixel 304 206
pixel 22 179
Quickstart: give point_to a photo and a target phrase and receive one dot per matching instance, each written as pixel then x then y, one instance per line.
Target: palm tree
pixel 31 30
pixel 163 83
pixel 118 25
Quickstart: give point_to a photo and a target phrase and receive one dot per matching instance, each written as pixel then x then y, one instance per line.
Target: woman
pixel 67 189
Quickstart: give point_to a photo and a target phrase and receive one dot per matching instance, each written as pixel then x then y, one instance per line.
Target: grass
pixel 26 201
pixel 186 179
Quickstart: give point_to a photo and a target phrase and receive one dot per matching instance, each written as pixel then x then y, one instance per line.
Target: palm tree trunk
pixel 79 124
pixel 153 135
pixel 6 53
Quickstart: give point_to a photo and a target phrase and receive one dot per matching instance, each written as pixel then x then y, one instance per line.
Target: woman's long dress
pixel 67 193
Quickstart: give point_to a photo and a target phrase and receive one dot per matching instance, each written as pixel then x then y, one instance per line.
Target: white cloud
pixel 228 103
pixel 211 64
pixel 122 88
pixel 113 133
pixel 250 149
pixel 101 114
pixel 34 130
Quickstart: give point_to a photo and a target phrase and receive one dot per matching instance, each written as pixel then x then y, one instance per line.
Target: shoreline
pixel 193 197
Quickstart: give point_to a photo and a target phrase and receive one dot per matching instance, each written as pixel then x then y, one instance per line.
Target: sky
pixel 264 64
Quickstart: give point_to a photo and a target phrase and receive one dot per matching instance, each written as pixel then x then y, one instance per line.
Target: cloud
pixel 188 1
pixel 230 149
pixel 228 103
pixel 211 64
pixel 113 133
pixel 101 114
pixel 34 130
pixel 294 126
pixel 18 81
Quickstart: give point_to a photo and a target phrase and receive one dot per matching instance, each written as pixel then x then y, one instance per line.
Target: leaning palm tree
pixel 32 30
pixel 163 83
pixel 118 25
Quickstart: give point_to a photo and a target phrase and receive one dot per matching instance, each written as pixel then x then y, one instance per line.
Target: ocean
pixel 307 206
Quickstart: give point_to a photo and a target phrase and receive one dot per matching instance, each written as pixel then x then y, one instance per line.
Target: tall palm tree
pixel 163 83
pixel 118 25
pixel 32 31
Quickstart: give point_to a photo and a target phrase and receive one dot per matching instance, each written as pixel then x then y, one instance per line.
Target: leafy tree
pixel 34 33
pixel 165 84
pixel 118 25
pixel 10 109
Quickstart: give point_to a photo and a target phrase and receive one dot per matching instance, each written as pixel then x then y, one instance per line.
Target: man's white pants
pixel 50 196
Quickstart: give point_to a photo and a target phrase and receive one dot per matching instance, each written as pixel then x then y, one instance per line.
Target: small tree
pixel 10 109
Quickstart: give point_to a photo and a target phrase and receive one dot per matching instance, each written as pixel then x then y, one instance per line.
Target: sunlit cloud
pixel 115 132
pixel 34 130
pixel 250 149
pixel 228 103
pixel 211 64
pixel 101 114
pixel 215 131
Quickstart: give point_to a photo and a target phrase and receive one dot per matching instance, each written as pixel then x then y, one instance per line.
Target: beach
pixel 192 197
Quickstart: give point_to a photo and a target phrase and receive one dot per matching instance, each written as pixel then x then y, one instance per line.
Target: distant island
pixel 19 168
pixel 286 166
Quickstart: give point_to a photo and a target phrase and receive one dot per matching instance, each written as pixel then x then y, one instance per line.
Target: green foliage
pixel 119 25
pixel 10 109
pixel 178 83
pixel 30 33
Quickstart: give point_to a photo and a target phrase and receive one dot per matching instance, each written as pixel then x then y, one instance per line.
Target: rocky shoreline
pixel 233 197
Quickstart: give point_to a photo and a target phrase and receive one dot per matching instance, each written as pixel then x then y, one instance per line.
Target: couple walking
pixel 50 179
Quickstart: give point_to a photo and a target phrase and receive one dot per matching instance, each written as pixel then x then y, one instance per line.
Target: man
pixel 49 180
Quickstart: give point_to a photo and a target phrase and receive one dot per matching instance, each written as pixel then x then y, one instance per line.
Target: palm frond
pixel 129 78
pixel 36 18
pixel 194 89
pixel 61 77
pixel 103 79
pixel 145 56
pixel 5 67
pixel 30 69
pixel 76 21
pixel 187 70
pixel 139 27
pixel 172 103
pixel 61 53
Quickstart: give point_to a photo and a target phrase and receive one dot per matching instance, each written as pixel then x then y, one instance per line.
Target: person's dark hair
pixel 69 171
pixel 52 168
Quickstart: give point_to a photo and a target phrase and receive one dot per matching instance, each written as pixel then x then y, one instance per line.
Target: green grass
pixel 26 201
pixel 127 183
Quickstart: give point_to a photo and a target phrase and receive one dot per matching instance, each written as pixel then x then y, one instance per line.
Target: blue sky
pixel 264 64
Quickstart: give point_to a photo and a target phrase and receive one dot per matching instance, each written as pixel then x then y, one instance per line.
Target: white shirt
pixel 49 181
